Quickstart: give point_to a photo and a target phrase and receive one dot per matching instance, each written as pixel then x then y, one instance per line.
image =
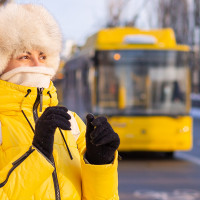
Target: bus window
pixel 142 81
pixel 107 87
pixel 168 89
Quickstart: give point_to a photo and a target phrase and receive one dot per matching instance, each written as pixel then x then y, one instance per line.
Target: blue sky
pixel 80 18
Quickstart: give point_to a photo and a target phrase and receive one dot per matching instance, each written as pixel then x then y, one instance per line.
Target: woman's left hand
pixel 101 141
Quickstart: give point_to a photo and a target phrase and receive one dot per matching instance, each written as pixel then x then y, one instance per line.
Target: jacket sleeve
pixel 24 174
pixel 98 181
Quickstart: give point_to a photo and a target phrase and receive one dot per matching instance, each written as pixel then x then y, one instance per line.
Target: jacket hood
pixel 14 98
pixel 26 27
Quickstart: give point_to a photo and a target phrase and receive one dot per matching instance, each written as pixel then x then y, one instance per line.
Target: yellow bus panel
pixel 153 133
pixel 114 39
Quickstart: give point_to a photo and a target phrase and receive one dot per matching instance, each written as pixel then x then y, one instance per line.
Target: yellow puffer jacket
pixel 25 173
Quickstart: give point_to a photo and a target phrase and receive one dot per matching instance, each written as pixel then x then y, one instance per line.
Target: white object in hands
pixel 74 126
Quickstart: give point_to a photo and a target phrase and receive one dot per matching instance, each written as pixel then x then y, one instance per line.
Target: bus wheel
pixel 169 154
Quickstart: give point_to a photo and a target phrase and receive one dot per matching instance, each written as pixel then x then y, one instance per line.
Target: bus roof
pixel 134 38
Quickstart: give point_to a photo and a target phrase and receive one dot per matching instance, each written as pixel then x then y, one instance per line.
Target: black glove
pixel 101 141
pixel 46 125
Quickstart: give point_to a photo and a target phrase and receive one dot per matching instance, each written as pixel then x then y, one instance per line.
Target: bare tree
pixel 2 2
pixel 184 17
pixel 196 67
pixel 175 14
pixel 136 15
pixel 197 12
pixel 115 8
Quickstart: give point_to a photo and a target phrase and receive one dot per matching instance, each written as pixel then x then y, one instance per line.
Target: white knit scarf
pixel 34 76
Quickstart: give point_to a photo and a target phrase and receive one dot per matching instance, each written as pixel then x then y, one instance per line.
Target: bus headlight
pixel 184 129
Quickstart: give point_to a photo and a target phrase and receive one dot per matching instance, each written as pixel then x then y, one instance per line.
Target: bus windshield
pixel 142 82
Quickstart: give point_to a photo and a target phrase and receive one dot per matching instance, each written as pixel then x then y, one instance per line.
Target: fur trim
pixel 28 27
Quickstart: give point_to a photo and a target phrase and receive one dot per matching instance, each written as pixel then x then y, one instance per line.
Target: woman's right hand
pixel 52 118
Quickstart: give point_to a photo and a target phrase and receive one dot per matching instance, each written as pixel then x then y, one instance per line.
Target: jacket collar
pixel 14 98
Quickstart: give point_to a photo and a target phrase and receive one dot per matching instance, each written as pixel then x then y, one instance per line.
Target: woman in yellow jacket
pixel 46 151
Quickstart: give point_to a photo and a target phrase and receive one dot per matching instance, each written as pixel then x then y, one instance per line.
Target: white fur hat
pixel 28 27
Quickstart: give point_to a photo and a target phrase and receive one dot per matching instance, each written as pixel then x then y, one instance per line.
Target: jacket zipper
pixel 56 185
pixel 39 100
pixel 35 106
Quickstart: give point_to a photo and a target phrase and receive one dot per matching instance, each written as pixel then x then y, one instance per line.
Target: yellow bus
pixel 140 80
